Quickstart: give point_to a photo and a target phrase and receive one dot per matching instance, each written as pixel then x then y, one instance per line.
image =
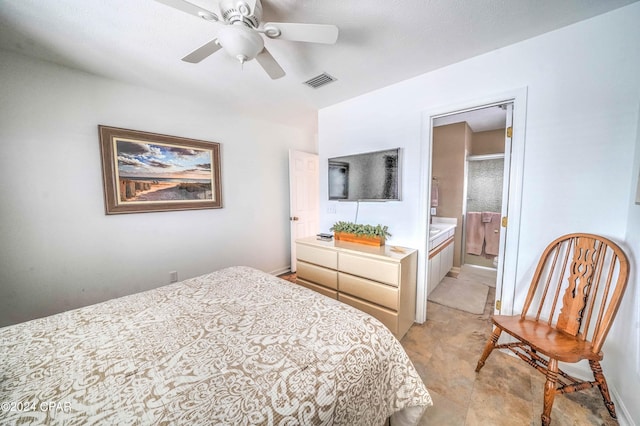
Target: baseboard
pixel 454 272
pixel 624 417
pixel 580 371
pixel 281 271
pixel 487 271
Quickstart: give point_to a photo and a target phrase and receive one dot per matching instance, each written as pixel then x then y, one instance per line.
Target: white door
pixel 506 187
pixel 303 197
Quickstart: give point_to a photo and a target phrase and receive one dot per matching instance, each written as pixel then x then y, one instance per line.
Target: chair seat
pixel 547 340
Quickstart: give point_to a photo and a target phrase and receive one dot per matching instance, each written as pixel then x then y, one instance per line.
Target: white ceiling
pixel 479 120
pixel 381 42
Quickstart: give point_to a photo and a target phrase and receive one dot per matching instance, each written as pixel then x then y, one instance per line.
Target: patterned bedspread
pixel 235 347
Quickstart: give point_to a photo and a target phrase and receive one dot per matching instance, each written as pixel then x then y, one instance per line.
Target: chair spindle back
pixel 577 286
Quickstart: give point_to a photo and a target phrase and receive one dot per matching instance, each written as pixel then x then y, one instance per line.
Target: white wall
pixel 622 362
pixel 58 250
pixel 583 87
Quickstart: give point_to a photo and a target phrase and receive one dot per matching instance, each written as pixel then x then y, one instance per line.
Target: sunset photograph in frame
pixel 149 172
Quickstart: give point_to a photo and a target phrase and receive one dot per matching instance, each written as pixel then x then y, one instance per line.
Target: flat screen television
pixel 370 176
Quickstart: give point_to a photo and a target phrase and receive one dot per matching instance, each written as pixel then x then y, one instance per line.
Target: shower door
pixel 485 177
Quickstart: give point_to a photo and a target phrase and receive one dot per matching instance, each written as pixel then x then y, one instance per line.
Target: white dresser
pixel 378 280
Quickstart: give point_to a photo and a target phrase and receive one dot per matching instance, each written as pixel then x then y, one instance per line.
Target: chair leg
pixel 602 385
pixel 491 343
pixel 549 391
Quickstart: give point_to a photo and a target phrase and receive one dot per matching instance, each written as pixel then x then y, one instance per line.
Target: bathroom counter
pixel 440 230
pixel 441 250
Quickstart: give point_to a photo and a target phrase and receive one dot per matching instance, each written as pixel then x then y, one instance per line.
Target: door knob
pixel 293 218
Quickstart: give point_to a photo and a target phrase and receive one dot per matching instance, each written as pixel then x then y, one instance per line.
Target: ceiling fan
pixel 240 37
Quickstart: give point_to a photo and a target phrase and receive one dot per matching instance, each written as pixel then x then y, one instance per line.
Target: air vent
pixel 320 80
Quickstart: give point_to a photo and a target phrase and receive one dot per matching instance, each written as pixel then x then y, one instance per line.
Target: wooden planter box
pixel 360 239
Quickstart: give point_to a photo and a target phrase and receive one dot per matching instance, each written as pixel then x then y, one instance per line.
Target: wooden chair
pixel 573 298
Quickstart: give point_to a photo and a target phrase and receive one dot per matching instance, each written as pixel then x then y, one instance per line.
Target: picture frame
pixel 149 172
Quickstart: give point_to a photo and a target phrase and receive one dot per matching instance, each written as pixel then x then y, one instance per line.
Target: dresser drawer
pixel 317 255
pixel 322 290
pixel 386 272
pixel 380 294
pixel 317 274
pixel 385 316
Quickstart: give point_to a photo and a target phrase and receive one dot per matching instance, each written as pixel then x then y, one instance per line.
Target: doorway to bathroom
pixel 470 177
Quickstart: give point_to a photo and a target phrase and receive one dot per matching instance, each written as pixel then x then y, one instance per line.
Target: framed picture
pixel 148 172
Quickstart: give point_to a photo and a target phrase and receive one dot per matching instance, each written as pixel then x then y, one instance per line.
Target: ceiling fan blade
pixel 269 64
pixel 202 52
pixel 192 9
pixel 311 33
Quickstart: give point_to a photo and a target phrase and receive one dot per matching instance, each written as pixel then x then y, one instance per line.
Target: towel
pixel 475 233
pixel 434 193
pixel 492 234
pixel 486 217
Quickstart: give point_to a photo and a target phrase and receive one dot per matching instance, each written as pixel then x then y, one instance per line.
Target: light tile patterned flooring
pixel 445 350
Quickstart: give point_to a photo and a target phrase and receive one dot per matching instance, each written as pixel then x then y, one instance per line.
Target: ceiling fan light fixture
pixel 240 42
pixel 242 34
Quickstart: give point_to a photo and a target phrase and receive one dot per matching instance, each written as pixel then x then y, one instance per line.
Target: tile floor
pixel 445 350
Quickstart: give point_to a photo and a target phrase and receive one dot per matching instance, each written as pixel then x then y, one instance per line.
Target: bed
pixel 234 347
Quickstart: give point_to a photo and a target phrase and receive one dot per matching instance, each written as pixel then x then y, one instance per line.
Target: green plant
pixel 362 230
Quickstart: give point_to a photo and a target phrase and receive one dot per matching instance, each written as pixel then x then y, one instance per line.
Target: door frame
pixel 519 98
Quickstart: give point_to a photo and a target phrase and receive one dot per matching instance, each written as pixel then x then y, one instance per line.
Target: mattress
pixel 234 347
